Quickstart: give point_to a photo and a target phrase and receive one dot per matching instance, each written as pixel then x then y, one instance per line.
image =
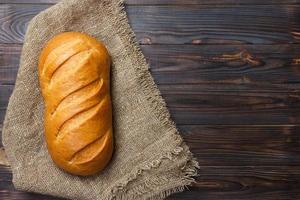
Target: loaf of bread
pixel 74 74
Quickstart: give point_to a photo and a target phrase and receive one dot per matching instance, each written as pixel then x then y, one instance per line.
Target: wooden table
pixel 229 71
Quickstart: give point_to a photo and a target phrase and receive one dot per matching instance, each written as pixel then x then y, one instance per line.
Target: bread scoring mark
pixel 95 106
pixel 96 81
pixel 62 64
pixel 73 47
pixel 81 151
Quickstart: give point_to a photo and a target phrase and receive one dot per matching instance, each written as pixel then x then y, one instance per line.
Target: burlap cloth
pixel 150 160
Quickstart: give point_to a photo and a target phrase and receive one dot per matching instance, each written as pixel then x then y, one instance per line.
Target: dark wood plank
pixel 5 178
pixel 169 2
pixel 2 115
pixel 14 20
pixel 198 24
pixel 5 92
pixel 212 107
pixel 9 62
pixel 215 24
pixel 234 108
pixel 243 145
pixel 245 183
pixel 226 183
pixel 257 66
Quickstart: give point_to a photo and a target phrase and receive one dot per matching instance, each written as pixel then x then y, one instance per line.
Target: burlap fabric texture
pixel 150 160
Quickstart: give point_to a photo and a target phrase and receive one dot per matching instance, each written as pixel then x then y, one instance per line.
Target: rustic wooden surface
pixel 229 71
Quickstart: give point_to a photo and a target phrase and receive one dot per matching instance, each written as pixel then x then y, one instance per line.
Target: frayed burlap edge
pixel 157 102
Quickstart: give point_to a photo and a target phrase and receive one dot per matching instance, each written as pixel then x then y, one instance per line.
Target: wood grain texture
pixel 211 84
pixel 9 63
pixel 245 183
pixel 226 183
pixel 194 106
pixel 215 24
pixel 257 66
pixel 243 145
pixel 197 24
pixel 167 2
pixel 234 108
pixel 4 97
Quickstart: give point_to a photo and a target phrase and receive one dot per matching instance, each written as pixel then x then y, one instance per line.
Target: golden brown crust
pixel 74 73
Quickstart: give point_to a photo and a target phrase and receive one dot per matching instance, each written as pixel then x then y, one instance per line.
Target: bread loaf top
pixel 74 74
